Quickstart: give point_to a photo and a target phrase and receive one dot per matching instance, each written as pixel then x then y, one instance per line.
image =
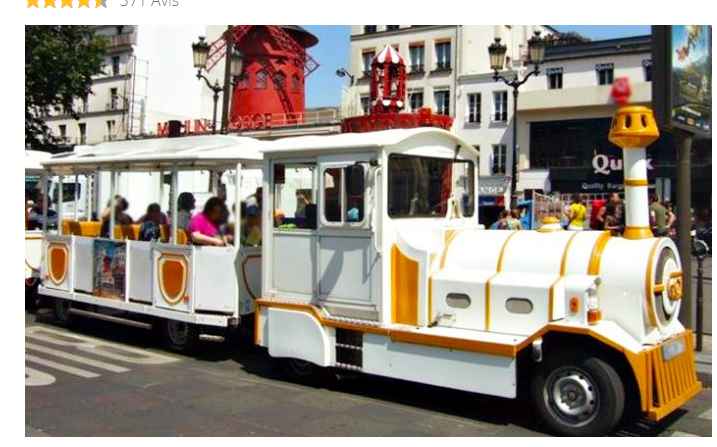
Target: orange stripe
pixel 564 259
pixel 649 284
pixel 636 182
pixel 499 265
pixel 596 255
pixel 498 268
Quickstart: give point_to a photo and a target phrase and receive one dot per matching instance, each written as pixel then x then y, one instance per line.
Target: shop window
pixel 294 196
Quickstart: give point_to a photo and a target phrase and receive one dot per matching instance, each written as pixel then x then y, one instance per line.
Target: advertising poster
pixel 691 77
pixel 109 268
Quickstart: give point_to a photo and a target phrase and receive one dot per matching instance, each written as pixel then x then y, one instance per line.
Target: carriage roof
pixel 198 152
pixel 355 141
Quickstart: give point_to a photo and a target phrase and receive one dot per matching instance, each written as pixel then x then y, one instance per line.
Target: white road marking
pixel 60 367
pixel 683 434
pixel 706 415
pixel 76 358
pixel 34 377
pixel 95 347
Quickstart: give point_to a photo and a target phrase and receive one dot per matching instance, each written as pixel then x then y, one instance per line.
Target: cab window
pixel 421 186
pixel 344 195
pixel 294 196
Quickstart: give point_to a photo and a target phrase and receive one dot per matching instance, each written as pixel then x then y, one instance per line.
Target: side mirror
pixel 355 179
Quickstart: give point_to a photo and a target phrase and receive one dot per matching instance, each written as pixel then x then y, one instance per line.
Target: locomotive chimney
pixel 633 128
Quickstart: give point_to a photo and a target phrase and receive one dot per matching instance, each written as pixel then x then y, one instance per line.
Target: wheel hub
pixel 573 396
pixel 178 332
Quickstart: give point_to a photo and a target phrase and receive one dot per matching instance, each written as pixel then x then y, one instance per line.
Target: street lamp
pixel 342 72
pixel 200 52
pixel 536 54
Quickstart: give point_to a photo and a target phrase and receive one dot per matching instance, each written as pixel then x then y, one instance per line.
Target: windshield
pixel 421 186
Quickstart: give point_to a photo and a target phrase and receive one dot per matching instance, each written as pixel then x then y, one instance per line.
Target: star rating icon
pixel 100 3
pixel 49 3
pixel 85 3
pixel 67 3
pixel 32 4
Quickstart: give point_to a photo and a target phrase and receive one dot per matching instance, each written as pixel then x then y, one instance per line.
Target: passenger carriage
pixel 188 291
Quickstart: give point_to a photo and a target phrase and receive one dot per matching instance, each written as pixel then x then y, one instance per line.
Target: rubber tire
pixel 31 298
pixel 300 371
pixel 185 348
pixel 61 311
pixel 610 387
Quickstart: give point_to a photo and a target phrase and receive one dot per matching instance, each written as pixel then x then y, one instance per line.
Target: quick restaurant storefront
pixel 580 159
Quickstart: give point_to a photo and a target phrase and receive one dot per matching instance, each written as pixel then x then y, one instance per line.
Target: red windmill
pixel 276 63
pixel 388 96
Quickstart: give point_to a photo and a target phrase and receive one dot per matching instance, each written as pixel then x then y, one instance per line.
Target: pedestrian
pixel 616 200
pixel 671 220
pixel 658 217
pixel 576 213
pixel 513 220
pixel 612 222
pixel 597 214
pixel 500 224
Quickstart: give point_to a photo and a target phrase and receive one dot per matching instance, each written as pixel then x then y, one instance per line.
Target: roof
pixel 597 48
pixel 389 54
pixel 358 140
pixel 154 153
pixel 33 160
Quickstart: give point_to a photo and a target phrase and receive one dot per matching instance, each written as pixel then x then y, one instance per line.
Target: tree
pixel 60 62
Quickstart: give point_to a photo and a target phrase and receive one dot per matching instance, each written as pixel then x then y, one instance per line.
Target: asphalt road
pixel 101 379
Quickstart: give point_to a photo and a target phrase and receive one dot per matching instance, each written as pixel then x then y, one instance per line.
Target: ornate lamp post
pixel 200 51
pixel 536 54
pixel 342 72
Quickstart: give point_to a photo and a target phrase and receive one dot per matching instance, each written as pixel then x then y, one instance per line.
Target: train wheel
pixel 576 395
pixel 180 336
pixel 62 312
pixel 31 296
pixel 300 370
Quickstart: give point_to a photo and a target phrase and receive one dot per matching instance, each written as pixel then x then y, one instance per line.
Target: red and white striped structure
pixel 388 81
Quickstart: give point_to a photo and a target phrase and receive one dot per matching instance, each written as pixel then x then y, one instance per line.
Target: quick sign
pixel 606 165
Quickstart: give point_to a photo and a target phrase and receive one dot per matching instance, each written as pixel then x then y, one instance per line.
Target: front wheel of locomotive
pixel 578 395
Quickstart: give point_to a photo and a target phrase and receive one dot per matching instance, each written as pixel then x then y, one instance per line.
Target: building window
pixel 365 105
pixel 555 78
pixel 280 81
pixel 391 27
pixel 499 157
pixel 110 129
pixel 443 55
pixel 63 131
pixel 500 106
pixel 369 29
pixel 415 100
pixel 416 54
pixel 243 81
pixel 295 83
pixel 83 133
pixel 114 99
pixel 86 103
pixel 604 73
pixel 261 78
pixel 115 65
pixel 647 65
pixel 474 108
pixel 367 57
pixel 443 102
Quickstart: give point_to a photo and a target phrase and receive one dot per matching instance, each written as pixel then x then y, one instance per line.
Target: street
pixel 101 379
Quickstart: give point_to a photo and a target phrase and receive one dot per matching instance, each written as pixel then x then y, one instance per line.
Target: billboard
pixel 682 77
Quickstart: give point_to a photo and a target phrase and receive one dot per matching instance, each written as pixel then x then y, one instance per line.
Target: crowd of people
pixel 210 226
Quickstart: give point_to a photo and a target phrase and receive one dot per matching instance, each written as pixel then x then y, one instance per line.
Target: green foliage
pixel 59 64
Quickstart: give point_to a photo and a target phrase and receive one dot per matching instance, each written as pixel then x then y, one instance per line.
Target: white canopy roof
pixel 154 153
pixel 358 140
pixel 33 160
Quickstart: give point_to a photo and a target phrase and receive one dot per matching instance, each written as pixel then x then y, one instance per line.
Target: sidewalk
pixel 704 362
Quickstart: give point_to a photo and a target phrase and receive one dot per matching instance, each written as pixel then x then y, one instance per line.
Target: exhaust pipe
pixel 633 128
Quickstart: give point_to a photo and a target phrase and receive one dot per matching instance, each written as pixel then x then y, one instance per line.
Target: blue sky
pixel 324 87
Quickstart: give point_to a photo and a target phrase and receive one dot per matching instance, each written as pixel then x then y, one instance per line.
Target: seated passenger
pixel 203 228
pixel 163 219
pixel 150 229
pixel 252 231
pixel 35 217
pixel 121 217
pixel 185 205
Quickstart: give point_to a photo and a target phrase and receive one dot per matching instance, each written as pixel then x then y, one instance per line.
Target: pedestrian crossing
pixel 51 353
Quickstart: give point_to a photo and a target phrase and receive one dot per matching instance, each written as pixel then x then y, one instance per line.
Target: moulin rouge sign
pixel 246 122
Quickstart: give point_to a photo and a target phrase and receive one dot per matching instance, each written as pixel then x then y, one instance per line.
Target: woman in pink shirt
pixel 203 228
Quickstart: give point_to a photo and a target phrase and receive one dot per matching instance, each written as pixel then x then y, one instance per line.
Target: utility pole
pixel 228 88
pixel 684 222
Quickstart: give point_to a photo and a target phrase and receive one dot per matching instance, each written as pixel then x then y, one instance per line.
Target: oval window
pixel 458 300
pixel 519 305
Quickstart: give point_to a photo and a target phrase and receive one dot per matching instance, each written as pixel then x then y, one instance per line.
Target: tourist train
pixel 372 260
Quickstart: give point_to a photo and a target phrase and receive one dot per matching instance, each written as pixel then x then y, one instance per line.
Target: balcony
pixel 417 69
pixel 442 67
pixel 120 41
